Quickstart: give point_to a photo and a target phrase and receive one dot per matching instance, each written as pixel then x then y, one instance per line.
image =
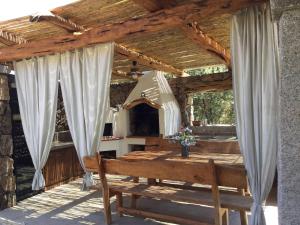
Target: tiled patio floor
pixel 67 205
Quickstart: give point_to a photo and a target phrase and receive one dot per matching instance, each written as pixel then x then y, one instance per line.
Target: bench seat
pixel 201 196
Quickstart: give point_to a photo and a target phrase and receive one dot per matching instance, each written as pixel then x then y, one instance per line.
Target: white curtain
pixel 37 83
pixel 85 82
pixel 172 115
pixel 255 82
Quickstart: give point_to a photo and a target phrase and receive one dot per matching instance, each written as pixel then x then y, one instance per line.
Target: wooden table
pixel 230 168
pixel 220 159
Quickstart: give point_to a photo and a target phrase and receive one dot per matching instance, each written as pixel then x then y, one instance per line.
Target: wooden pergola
pixel 170 36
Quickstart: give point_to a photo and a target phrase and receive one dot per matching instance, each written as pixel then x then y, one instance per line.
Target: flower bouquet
pixel 186 139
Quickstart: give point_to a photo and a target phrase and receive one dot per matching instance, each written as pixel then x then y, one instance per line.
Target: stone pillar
pixel 287 13
pixel 7 179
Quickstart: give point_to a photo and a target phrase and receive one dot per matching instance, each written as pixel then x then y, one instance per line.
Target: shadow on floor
pixel 67 205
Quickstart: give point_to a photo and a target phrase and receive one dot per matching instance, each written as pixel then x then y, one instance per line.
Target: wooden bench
pixel 202 173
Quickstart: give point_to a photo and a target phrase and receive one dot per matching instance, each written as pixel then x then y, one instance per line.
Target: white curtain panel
pixel 255 84
pixel 172 116
pixel 37 85
pixel 85 82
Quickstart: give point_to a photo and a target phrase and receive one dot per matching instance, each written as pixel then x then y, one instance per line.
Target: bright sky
pixel 11 9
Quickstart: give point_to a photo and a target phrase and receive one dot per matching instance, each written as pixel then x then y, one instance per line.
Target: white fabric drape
pixel 85 82
pixel 255 76
pixel 37 85
pixel 172 115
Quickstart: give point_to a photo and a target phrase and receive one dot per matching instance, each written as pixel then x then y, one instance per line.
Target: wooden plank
pixel 91 164
pixel 150 23
pixel 181 171
pixel 227 165
pixel 163 217
pixel 176 193
pixel 236 202
pixel 230 176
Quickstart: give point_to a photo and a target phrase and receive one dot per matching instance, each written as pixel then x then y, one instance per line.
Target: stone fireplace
pixel 150 109
pixel 144 120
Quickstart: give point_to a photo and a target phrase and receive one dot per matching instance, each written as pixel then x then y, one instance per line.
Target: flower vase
pixel 185 150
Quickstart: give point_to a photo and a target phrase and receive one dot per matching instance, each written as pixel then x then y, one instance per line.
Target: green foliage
pixel 207 70
pixel 216 107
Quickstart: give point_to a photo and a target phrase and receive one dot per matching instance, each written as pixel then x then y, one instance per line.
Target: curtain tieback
pixel 259 204
pixel 88 181
pixel 38 180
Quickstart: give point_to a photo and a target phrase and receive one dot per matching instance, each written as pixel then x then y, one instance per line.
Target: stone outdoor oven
pixel 151 108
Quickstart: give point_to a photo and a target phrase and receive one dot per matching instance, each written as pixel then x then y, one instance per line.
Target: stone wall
pixel 7 179
pixel 288 15
pixel 221 130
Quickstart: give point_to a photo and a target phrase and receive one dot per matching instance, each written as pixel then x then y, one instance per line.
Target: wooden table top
pixel 219 158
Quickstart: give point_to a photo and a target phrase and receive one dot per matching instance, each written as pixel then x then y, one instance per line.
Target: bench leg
pixel 134 197
pixel 133 201
pixel 225 217
pixel 244 218
pixel 243 214
pixel 119 203
pixel 106 205
pixel 152 181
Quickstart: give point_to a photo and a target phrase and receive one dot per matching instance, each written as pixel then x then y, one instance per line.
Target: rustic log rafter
pixel 146 60
pixel 10 39
pixel 150 23
pixel 122 50
pixel 58 21
pixel 209 82
pixel 194 32
pixel 191 29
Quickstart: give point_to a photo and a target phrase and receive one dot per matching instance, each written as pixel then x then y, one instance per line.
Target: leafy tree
pixel 216 107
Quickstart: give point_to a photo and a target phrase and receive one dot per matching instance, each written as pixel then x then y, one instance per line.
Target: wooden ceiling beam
pixel 194 32
pixel 150 23
pixel 122 50
pixel 58 21
pixel 204 83
pixel 9 39
pixel 192 28
pixel 146 60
